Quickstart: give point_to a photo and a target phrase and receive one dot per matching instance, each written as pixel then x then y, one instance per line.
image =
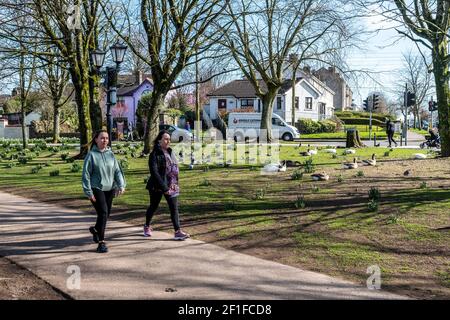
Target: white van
pixel 246 125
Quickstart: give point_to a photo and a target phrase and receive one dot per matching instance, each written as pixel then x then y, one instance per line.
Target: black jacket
pixel 390 127
pixel 157 167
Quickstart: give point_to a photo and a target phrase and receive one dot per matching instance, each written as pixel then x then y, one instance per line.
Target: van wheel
pixel 238 137
pixel 287 137
pixel 247 139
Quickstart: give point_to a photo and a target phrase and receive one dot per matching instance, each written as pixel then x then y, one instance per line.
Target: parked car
pixel 176 134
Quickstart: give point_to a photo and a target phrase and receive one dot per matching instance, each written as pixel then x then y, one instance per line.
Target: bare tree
pixel 175 32
pixel 263 34
pixel 415 74
pixel 427 23
pixel 54 83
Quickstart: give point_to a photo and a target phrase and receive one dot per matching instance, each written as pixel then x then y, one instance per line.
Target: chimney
pixel 139 76
pixel 332 69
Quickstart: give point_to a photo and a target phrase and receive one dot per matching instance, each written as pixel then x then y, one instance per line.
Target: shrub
pixel 75 167
pixel 205 183
pixel 300 203
pixel 360 173
pixel 309 166
pixel 123 163
pixel 22 160
pixel 340 178
pixel 54 173
pixel 260 193
pixel 372 206
pixel 310 126
pixel 10 165
pixel 35 170
pixel 423 185
pixel 64 156
pixel 387 154
pixel 315 189
pixel 374 194
pixel 297 175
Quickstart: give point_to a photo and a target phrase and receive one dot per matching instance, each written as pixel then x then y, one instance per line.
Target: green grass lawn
pixel 321 226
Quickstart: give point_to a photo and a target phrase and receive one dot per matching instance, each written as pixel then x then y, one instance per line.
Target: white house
pixel 313 100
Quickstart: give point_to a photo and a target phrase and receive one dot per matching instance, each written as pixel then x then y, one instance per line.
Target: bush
pixel 300 203
pixel 123 163
pixel 54 173
pixel 22 160
pixel 64 156
pixel 205 183
pixel 374 194
pixel 309 166
pixel 75 167
pixel 297 175
pixel 372 206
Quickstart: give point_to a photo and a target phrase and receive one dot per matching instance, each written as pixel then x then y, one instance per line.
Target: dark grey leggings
pixel 155 199
pixel 102 205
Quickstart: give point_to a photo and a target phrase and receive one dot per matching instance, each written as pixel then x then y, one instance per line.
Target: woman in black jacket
pixel 163 181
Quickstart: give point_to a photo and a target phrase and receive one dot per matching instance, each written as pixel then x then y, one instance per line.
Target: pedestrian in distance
pixel 390 130
pixel 102 180
pixel 163 181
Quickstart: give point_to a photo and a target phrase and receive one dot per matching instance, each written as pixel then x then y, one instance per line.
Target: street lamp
pixel 110 74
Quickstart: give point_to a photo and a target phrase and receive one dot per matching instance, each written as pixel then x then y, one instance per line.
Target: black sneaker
pixel 94 234
pixel 102 248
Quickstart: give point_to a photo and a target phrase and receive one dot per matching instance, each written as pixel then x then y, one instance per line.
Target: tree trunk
pixel 441 71
pixel 24 127
pixel 152 128
pixel 56 127
pixel 94 105
pixel 266 117
pixel 82 101
pixel 353 140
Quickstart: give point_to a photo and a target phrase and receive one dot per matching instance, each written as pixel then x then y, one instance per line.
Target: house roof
pixel 127 80
pixel 129 90
pixel 244 89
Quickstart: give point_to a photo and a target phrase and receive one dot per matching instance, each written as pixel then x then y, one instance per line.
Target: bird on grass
pixel 371 162
pixel 320 176
pixel 351 165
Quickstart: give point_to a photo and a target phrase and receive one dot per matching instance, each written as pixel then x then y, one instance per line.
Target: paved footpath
pixel 50 240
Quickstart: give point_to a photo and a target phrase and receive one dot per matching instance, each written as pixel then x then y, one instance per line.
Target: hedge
pixel 351 114
pixel 308 126
pixel 362 121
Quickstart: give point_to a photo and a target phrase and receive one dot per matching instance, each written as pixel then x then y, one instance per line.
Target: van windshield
pixel 277 122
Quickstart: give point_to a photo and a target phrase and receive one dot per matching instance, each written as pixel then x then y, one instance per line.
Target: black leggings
pixel 155 199
pixel 102 205
pixel 391 138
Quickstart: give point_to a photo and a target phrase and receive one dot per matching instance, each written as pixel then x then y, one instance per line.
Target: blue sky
pixel 383 57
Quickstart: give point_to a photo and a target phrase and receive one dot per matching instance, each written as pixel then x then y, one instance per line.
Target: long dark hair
pixel 158 138
pixel 96 134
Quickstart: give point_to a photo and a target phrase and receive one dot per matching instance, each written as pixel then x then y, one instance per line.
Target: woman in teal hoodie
pixel 102 179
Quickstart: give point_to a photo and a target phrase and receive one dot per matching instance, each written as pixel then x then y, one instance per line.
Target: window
pixel 246 103
pixel 279 101
pixel 222 103
pixel 308 103
pixel 297 102
pixel 277 122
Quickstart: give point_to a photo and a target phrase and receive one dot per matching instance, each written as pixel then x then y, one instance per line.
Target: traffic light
pixel 410 99
pixel 432 106
pixel 366 104
pixel 376 101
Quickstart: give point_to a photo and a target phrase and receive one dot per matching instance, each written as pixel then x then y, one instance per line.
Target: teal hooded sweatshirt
pixel 101 171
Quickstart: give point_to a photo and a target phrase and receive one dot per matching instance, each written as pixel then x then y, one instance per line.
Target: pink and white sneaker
pixel 147 231
pixel 180 235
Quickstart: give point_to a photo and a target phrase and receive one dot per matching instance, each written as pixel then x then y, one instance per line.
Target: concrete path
pixel 54 243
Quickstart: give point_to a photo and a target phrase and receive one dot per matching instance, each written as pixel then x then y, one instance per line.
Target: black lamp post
pixel 97 58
